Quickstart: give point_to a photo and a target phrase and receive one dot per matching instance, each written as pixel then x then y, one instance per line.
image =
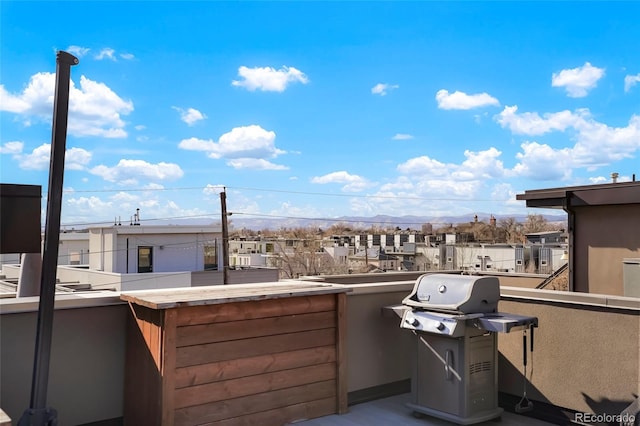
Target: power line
pixel 282 191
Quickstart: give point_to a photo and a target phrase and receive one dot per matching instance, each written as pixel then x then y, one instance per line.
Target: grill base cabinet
pixel 456 379
pixel 234 355
pixel 455 368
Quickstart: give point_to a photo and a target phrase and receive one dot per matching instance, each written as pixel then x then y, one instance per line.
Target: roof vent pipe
pixel 614 177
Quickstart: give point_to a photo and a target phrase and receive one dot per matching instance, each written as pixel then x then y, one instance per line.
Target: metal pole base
pixel 39 417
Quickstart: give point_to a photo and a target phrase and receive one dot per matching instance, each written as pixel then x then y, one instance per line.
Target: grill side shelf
pixel 504 322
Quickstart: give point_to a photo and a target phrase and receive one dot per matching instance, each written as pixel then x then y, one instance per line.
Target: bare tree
pixel 535 223
pixel 512 229
pixel 300 253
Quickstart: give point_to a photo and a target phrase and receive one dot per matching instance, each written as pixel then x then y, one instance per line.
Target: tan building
pixel 604 231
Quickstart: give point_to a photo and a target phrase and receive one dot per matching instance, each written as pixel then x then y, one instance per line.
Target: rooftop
pixel 91 329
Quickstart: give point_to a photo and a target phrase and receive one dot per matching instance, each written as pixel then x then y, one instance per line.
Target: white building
pixel 144 249
pixel 138 257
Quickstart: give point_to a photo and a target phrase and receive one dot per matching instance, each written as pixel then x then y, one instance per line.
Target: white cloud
pixel 423 166
pixel 13 147
pixel 255 164
pixel 10 103
pixel 383 88
pixel 530 123
pixel 542 162
pixel 212 189
pixel 131 171
pixel 140 127
pixel 460 100
pixel 195 144
pixel 190 115
pixel 599 180
pixel 94 109
pixel 578 81
pixel 87 207
pixel 409 189
pixel 480 165
pixel 354 183
pixel 242 147
pixel 78 51
pixel 127 56
pixel 630 81
pixel 425 177
pixel 596 144
pixel 77 159
pixel 39 158
pixel 247 142
pixel 106 53
pixel 505 193
pixel 269 79
pixel 402 137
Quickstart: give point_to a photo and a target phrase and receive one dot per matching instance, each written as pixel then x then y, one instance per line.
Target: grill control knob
pixel 415 322
pixel 440 326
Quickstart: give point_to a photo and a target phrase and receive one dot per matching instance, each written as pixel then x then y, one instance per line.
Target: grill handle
pixel 524 348
pixel 448 364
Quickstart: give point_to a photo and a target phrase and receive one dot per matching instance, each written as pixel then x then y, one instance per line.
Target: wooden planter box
pixel 239 354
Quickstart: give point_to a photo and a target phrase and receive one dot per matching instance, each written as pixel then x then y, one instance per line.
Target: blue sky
pixel 320 109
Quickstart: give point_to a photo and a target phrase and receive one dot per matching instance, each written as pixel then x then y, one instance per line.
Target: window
pixel 519 262
pixel 74 258
pixel 210 258
pixel 145 259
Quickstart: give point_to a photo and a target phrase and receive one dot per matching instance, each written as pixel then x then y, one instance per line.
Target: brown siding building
pixel 604 230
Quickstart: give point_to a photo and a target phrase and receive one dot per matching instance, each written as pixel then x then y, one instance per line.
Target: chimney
pixel 614 177
pixel 492 221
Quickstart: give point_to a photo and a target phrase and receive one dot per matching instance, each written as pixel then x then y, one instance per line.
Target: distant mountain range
pixel 355 222
pixel 384 221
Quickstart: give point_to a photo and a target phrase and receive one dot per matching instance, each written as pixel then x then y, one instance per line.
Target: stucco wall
pixel 378 349
pixel 586 357
pixel 604 236
pixel 87 363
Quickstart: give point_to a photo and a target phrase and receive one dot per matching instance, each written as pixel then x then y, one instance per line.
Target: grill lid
pixel 455 293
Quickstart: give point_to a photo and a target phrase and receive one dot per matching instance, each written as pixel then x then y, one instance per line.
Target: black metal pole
pixel 38 414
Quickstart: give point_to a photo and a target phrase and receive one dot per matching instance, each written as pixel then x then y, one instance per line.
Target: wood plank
pixel 168 366
pixel 284 415
pixel 154 336
pixel 341 353
pixel 219 332
pixel 235 368
pixel 221 410
pixel 244 386
pixel 142 379
pixel 222 294
pixel 241 311
pixel 222 351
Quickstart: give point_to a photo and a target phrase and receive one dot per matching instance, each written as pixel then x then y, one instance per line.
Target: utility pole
pixel 225 237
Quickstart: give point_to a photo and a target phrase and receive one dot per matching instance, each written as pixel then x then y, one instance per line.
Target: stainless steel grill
pixel 455 320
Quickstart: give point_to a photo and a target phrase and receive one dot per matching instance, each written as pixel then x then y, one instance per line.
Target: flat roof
pixel 587 195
